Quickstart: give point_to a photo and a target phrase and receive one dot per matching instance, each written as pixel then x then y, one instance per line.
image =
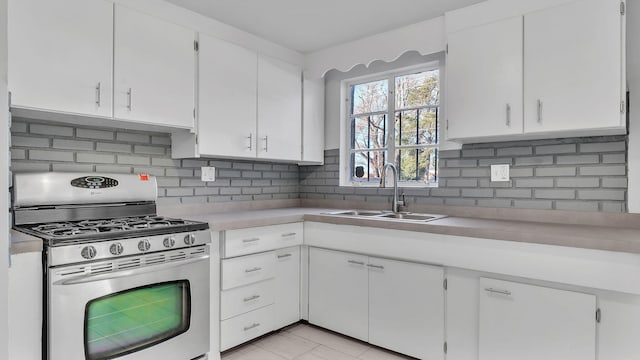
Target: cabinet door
pixel 279 110
pixel 154 70
pixel 573 67
pixel 287 302
pixel 406 308
pixel 60 55
pixel 338 294
pixel 313 121
pixel 484 70
pixel 227 99
pixel 525 322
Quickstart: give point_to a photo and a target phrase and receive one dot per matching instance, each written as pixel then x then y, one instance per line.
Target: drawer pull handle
pixel 356 262
pixel 284 256
pixel 250 240
pixel 250 298
pixel 252 326
pixel 376 266
pixel 289 234
pixel 497 291
pixel 253 270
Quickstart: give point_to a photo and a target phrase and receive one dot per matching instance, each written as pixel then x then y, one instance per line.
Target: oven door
pixel 154 306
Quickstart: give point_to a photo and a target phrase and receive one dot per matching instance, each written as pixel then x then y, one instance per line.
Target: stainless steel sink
pixel 358 213
pixel 411 216
pixel 386 215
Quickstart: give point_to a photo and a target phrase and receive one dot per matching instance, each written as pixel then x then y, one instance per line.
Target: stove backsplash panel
pixel 40 146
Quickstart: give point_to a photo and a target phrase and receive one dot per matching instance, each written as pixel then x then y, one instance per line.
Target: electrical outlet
pixel 500 172
pixel 208 173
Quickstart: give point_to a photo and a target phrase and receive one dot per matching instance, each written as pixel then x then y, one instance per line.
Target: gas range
pixel 82 231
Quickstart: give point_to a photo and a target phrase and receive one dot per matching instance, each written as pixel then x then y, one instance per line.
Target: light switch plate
pixel 500 172
pixel 208 173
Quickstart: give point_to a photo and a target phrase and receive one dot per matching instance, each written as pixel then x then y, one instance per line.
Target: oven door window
pixel 135 319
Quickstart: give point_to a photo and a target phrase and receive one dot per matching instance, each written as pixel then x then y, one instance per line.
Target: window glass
pixel 412 141
pixel 135 319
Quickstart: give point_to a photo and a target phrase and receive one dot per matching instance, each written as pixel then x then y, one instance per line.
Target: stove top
pixel 60 233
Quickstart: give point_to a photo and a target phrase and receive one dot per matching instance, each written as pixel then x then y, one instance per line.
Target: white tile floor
pixel 305 342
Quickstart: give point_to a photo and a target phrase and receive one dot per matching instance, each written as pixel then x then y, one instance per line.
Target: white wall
pixel 633 76
pixel 4 140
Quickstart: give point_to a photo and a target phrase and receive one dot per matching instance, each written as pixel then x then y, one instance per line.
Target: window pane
pixel 370 97
pixel 428 126
pixel 136 319
pixel 421 89
pixel 369 132
pixel 419 165
pixel 371 164
pixel 406 127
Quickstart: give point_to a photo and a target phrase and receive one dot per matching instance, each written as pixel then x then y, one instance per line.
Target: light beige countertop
pixel 24 243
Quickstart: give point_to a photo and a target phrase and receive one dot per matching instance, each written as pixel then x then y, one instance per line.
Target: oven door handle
pixel 129 272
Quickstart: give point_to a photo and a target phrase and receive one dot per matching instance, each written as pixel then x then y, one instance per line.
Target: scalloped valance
pixel 427 37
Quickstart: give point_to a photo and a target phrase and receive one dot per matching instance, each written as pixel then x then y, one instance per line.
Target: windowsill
pixel 400 185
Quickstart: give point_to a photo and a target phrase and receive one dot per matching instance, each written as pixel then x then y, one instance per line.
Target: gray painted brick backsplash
pixel 583 174
pixel 580 174
pixel 44 147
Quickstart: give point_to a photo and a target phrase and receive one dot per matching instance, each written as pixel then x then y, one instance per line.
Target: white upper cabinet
pixel 525 322
pixel 313 121
pixel 227 99
pixel 279 110
pixel 484 74
pixel 154 70
pixel 543 73
pixel 573 67
pixel 60 56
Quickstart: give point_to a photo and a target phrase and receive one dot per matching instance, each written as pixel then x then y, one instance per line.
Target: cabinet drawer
pixel 264 238
pixel 245 327
pixel 247 269
pixel 243 299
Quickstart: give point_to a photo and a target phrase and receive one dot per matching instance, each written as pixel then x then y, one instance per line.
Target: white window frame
pixel 345 124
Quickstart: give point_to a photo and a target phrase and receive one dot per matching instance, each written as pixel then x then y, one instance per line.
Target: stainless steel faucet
pixel 396 201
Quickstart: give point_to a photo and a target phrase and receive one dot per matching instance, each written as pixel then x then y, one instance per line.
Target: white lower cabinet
pixel 287 287
pixel 259 292
pixel 526 322
pixel 406 307
pixel 338 294
pixel 393 304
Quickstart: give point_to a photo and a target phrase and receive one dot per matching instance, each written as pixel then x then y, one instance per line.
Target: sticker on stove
pixel 143 177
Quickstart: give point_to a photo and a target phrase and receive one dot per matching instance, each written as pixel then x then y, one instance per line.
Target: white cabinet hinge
pixel 447 48
pixel 598 315
pixel 623 8
pixel 623 107
pixel 445 347
pixel 196 45
pixel 447 124
pixel 445 284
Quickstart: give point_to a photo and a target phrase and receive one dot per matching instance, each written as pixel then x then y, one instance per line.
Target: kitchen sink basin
pixel 410 216
pixel 387 215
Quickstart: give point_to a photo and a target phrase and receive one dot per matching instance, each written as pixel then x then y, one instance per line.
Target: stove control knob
pixel 88 252
pixel 144 245
pixel 116 249
pixel 190 239
pixel 169 242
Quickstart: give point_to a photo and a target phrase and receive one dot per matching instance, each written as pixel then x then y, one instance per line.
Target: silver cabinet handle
pixel 250 240
pixel 284 256
pixel 129 101
pixel 252 326
pixel 253 270
pixel 289 234
pixel 355 262
pixel 250 137
pixel 98 94
pixel 250 298
pixel 376 266
pixel 497 291
pixel 539 111
pixel 508 115
pixel 266 144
